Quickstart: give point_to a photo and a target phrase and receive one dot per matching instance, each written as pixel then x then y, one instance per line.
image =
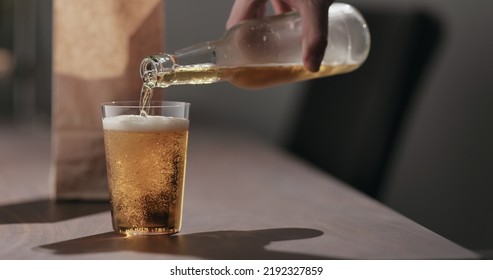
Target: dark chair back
pixel 348 124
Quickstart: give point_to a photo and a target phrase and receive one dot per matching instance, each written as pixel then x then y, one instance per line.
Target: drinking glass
pixel 146 161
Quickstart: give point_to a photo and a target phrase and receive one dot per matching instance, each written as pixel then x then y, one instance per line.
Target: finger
pixel 245 9
pixel 281 6
pixel 314 16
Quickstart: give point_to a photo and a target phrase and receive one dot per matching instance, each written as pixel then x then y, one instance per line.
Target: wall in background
pixel 442 172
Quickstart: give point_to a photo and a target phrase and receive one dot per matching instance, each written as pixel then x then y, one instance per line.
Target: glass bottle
pixel 262 53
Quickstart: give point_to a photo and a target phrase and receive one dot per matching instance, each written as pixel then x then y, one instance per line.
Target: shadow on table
pixel 48 211
pixel 230 244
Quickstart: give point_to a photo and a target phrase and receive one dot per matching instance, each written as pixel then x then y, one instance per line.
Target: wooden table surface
pixel 244 199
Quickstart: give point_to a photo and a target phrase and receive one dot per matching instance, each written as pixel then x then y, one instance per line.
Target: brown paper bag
pixel 97 50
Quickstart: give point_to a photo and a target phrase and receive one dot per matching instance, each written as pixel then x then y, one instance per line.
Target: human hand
pixel 314 16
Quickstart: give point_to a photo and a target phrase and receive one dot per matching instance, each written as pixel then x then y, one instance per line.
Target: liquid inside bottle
pixel 248 77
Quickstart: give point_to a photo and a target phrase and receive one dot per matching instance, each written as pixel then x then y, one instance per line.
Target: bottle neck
pixel 191 65
pixel 153 66
pixel 199 54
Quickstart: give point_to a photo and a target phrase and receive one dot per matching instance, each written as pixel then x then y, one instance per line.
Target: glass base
pixel 147 231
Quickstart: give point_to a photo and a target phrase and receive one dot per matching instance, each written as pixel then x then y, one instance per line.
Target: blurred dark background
pixel 25 60
pixel 411 128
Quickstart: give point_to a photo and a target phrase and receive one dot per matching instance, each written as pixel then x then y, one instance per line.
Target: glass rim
pixel 154 104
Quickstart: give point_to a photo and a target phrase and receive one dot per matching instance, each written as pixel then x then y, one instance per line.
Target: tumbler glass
pixel 146 161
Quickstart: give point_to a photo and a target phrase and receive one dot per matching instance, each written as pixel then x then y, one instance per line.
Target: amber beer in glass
pixel 146 160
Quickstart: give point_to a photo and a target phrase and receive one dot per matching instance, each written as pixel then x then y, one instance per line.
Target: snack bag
pixel 97 50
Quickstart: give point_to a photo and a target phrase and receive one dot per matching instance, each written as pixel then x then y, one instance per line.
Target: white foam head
pixel 148 123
